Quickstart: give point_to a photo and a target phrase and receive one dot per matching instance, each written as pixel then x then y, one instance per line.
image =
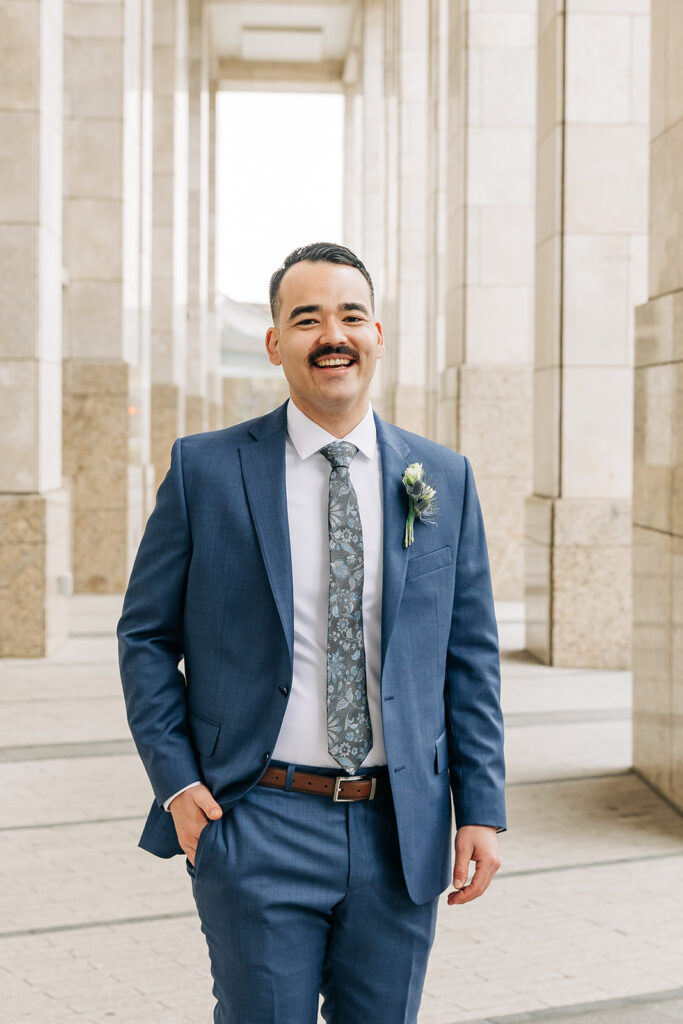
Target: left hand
pixel 478 843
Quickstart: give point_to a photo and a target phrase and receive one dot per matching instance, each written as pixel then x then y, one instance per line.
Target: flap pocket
pixel 428 563
pixel 204 734
pixel 441 753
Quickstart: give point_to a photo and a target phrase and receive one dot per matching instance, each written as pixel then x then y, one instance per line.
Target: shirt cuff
pixel 189 786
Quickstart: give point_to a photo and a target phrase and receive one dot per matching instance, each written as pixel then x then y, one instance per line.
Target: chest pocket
pixel 429 562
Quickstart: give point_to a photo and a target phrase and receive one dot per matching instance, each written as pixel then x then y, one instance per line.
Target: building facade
pixel 512 182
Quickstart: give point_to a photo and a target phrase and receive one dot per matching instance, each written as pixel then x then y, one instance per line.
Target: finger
pixel 463 855
pixel 202 798
pixel 481 880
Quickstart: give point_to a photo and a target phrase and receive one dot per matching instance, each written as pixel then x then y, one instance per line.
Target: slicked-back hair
pixel 318 252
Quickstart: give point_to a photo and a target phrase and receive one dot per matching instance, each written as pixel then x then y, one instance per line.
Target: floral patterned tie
pixel 349 732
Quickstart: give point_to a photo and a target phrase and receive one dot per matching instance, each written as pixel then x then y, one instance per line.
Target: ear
pixel 273 346
pixel 380 339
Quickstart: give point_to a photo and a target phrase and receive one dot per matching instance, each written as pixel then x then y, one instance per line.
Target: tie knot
pixel 339 453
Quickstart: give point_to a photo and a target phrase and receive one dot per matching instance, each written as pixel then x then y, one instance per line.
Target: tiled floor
pixel 585 912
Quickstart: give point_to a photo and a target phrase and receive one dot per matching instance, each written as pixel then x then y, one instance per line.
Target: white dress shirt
pixel 303 735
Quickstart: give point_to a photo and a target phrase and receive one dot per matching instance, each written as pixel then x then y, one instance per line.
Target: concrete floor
pixel 581 926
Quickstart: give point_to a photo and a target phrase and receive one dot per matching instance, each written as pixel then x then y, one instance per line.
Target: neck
pixel 339 424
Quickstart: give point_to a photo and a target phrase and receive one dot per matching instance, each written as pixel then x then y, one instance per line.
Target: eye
pixel 309 320
pixel 356 319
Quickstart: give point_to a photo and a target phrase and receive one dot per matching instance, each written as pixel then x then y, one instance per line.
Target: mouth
pixel 333 362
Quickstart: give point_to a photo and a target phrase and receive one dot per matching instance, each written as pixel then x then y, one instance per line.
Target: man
pixel 321 643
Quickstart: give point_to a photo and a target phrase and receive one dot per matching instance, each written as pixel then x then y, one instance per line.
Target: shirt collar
pixel 308 437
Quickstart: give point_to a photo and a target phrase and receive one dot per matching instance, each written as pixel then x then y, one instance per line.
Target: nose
pixel 332 331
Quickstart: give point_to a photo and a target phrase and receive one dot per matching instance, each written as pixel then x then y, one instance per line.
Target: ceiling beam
pixel 262 73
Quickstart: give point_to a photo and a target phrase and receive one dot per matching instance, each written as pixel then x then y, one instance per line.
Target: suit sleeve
pixel 150 634
pixel 473 713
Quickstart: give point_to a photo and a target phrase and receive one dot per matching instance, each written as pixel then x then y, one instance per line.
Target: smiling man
pixel 341 677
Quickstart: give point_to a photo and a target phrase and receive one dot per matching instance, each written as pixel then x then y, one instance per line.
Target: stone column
pixel 406 119
pixel 34 511
pixel 437 205
pixel 354 157
pixel 658 448
pixel 485 394
pixel 214 376
pixel 373 169
pixel 106 385
pixel 196 399
pixel 169 230
pixel 591 249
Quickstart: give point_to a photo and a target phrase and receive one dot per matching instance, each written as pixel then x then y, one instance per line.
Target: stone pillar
pixel 106 341
pixel 34 510
pixel 591 247
pixel 658 447
pixel 169 230
pixel 372 186
pixel 214 376
pixel 485 394
pixel 437 180
pixel 354 157
pixel 196 399
pixel 405 303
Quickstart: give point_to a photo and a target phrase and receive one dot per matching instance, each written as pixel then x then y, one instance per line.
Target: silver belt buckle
pixel 352 778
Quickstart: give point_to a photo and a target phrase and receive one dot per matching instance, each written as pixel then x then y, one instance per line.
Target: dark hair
pixel 318 252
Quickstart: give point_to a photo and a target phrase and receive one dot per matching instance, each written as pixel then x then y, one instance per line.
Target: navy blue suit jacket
pixel 212 583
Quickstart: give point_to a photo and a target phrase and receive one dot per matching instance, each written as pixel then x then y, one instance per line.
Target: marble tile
pixel 548 303
pixel 500 166
pixel 19 167
pixel 592 606
pixel 18 291
pixel 94 21
pixel 100 549
pixel 48 451
pixel 659 94
pixel 503 510
pixel 95 378
pixel 499 324
pixel 546 431
pixel 592 523
pixel 94 319
pixel 640 70
pixel 19 33
pixel 19 425
pixel 666 200
pixel 654 333
pixel 501 29
pixel 508 82
pixel 93 239
pixel 196 414
pixel 507 246
pixel 93 77
pixel 550 87
pixel 600 196
pixel 598 69
pixel 597 429
pixel 674 48
pixel 596 310
pixel 655 413
pixel 93 165
pixel 548 196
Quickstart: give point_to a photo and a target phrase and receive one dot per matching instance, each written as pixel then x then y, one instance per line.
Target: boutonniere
pixel 421 498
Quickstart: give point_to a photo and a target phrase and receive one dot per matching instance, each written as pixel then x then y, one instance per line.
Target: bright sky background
pixel 279 178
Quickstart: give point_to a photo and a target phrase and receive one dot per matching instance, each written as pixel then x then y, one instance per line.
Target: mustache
pixel 332 350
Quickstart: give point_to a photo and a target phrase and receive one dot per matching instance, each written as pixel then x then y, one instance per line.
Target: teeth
pixel 333 362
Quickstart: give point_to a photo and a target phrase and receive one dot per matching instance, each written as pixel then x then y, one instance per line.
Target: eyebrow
pixel 343 307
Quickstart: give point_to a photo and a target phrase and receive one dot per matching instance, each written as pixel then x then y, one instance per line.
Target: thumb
pixel 463 855
pixel 203 799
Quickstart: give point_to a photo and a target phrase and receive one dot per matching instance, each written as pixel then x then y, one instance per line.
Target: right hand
pixel 192 811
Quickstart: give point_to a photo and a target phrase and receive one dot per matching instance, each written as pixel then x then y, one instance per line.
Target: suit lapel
pixel 394 454
pixel 263 471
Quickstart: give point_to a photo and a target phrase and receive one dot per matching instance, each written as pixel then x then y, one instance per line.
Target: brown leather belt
pixel 342 788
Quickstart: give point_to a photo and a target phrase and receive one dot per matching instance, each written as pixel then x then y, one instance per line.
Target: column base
pixel 34 570
pixel 108 490
pixel 578 581
pixel 196 414
pixel 167 423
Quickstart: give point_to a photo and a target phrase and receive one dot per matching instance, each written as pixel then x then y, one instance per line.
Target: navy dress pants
pixel 298 895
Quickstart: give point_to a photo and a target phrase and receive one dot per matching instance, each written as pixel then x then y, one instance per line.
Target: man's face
pixel 326 340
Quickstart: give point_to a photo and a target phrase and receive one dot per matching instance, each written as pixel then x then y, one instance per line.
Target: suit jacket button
pixel 284 690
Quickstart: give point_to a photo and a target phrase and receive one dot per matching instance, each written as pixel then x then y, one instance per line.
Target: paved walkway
pixel 582 924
